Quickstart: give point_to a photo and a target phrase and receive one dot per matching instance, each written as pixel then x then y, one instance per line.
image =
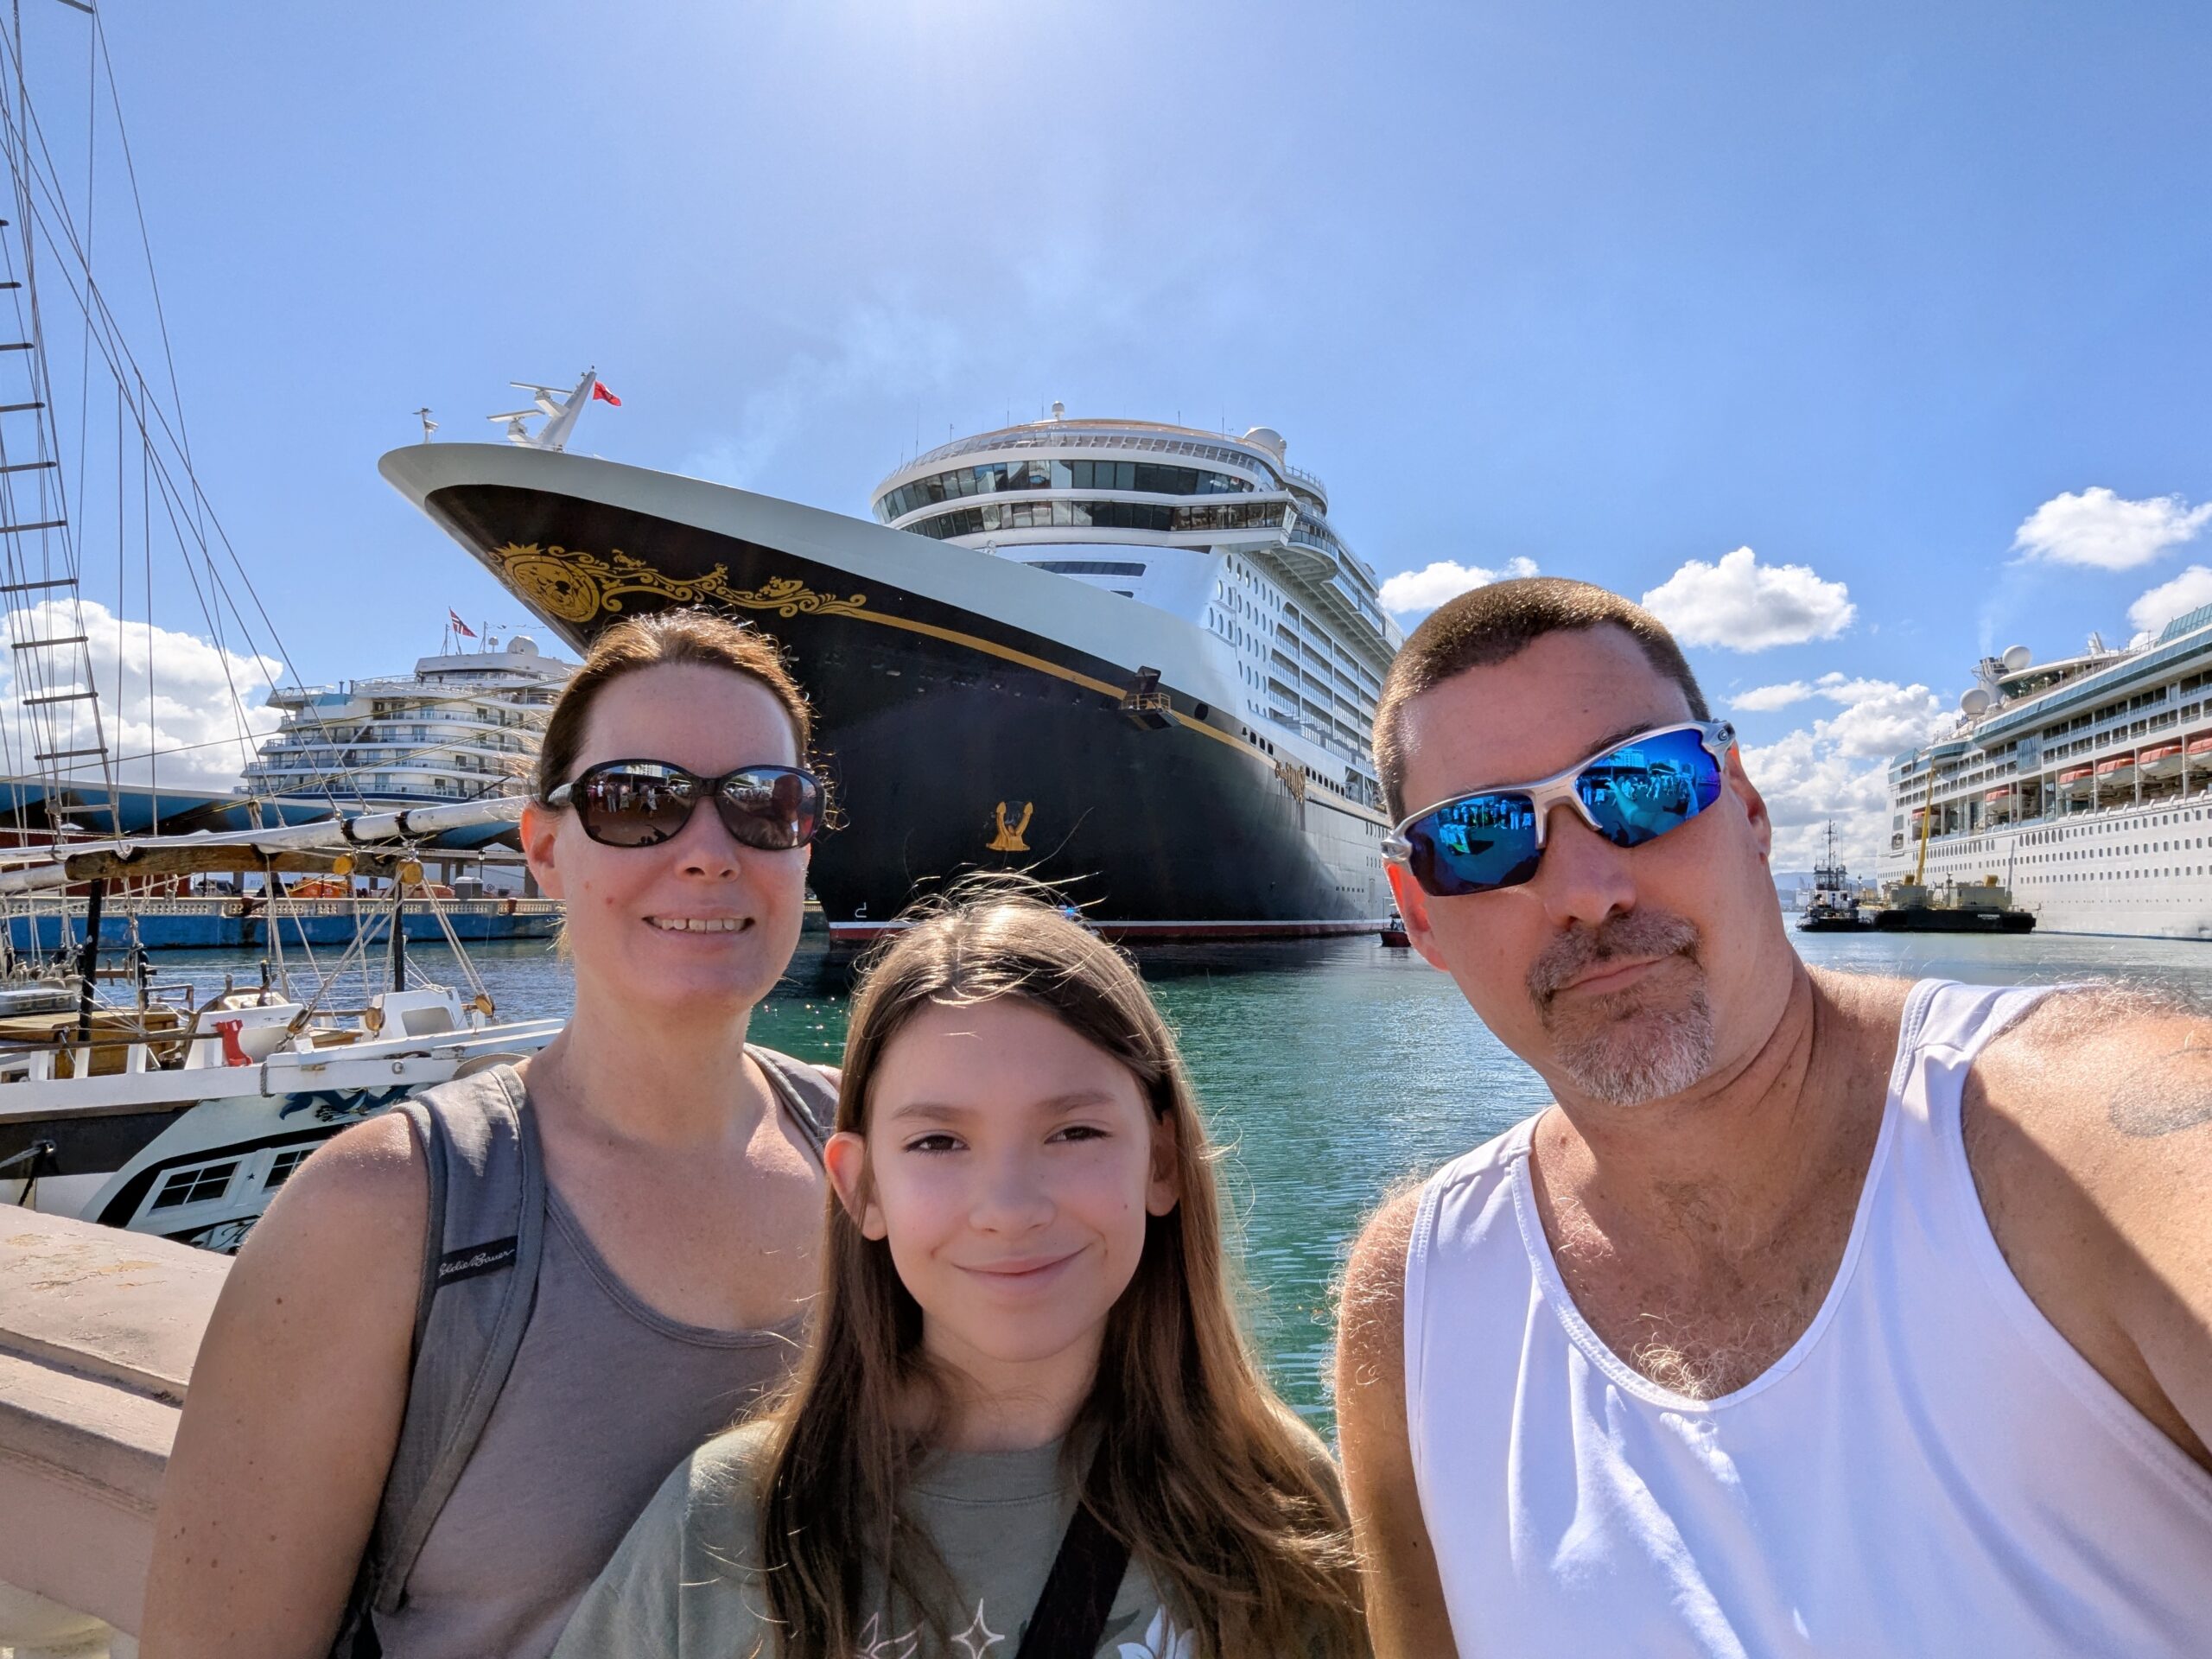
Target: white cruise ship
pixel 2084 785
pixel 1132 658
pixel 463 724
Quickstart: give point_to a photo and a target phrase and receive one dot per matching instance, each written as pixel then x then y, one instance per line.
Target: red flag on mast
pixel 599 394
pixel 459 626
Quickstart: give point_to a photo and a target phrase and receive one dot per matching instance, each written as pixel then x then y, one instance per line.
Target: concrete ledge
pixel 98 1331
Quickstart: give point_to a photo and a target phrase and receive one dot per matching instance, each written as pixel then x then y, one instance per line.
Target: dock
pixel 98 1333
pixel 246 923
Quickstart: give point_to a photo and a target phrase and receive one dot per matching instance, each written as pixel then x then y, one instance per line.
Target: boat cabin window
pixel 426 1022
pixel 281 1168
pixel 184 1187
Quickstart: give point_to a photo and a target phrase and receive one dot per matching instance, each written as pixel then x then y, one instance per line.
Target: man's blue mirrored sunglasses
pixel 1634 793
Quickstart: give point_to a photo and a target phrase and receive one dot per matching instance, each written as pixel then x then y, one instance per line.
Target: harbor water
pixel 1331 1071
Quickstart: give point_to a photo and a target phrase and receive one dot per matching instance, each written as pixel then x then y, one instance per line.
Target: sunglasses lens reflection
pixel 632 806
pixel 771 808
pixel 1636 793
pixel 1475 845
pixel 1649 786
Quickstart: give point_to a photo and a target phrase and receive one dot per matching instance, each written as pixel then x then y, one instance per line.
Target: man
pixel 1819 1315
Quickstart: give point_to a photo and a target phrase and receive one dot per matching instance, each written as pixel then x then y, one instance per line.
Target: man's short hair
pixel 1492 624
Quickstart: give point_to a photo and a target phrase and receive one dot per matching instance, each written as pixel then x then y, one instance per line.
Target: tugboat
pixel 1833 907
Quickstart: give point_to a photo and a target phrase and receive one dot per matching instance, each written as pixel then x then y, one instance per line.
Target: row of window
pixel 1149 477
pixel 1100 515
pixel 1088 567
pixel 197 1186
pixel 1060 438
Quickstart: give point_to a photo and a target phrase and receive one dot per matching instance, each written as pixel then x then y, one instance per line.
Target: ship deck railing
pixel 2046 820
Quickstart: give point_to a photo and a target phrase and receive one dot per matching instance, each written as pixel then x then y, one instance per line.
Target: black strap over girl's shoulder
pixel 1078 1594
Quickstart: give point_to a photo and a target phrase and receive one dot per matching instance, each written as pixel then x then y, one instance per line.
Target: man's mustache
pixel 1640 935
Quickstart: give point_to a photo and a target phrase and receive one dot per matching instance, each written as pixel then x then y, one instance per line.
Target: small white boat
pixel 184 1120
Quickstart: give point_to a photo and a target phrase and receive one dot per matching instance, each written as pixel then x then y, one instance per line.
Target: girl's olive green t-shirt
pixel 686 1583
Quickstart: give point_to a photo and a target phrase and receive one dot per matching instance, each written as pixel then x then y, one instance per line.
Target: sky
pixel 1859 340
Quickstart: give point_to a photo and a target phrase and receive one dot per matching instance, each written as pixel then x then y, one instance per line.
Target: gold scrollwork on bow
pixel 576 587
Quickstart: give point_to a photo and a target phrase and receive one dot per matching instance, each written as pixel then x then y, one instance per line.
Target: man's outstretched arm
pixel 2088 1129
pixel 1405 1597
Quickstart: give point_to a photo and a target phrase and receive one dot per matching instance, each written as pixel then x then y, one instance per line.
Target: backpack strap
pixel 1078 1594
pixel 806 1093
pixel 480 1255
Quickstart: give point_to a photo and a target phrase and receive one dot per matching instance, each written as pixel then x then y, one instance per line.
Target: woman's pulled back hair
pixel 1211 1481
pixel 694 635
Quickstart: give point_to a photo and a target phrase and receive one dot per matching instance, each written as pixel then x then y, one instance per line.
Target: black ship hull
pixel 955 738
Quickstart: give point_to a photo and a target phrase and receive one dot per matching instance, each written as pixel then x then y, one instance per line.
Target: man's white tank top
pixel 1930 1470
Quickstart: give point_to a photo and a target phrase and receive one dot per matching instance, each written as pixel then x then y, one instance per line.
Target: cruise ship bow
pixel 975 712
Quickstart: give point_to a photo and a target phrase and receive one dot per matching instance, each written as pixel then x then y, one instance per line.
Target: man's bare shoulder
pixel 2113 1066
pixel 1371 1310
pixel 1871 1005
pixel 2088 1131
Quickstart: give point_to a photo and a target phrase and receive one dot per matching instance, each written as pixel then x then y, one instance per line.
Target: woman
pixel 1027 1423
pixel 682 1194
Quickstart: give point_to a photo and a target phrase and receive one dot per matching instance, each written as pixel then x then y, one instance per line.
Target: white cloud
pixel 1761 698
pixel 1414 593
pixel 1743 605
pixel 2105 532
pixel 1837 769
pixel 203 722
pixel 2168 600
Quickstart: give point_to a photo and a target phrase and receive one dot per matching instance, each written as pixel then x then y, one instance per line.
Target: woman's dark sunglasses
pixel 1634 793
pixel 644 803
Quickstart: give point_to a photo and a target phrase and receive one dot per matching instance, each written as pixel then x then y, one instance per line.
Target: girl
pixel 1027 1424
pixel 661 1189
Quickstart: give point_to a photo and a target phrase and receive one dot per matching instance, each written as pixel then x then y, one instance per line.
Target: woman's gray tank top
pixel 606 1396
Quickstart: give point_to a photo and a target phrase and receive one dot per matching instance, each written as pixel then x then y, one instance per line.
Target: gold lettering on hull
pixel 576 587
pixel 1008 839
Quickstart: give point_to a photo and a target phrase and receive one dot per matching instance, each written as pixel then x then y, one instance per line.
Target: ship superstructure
pixel 2083 785
pixel 1220 531
pixel 1132 658
pixel 465 723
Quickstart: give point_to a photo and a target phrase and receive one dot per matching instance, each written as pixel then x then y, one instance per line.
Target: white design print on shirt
pixel 877 1645
pixel 1161 1641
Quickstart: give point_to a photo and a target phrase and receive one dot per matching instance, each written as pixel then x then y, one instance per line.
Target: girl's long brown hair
pixel 1212 1482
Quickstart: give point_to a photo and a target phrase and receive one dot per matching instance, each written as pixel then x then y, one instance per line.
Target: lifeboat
pixel 1995 805
pixel 2120 769
pixel 2200 746
pixel 2165 761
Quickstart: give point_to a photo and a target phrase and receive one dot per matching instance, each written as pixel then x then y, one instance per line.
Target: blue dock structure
pixel 222 923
